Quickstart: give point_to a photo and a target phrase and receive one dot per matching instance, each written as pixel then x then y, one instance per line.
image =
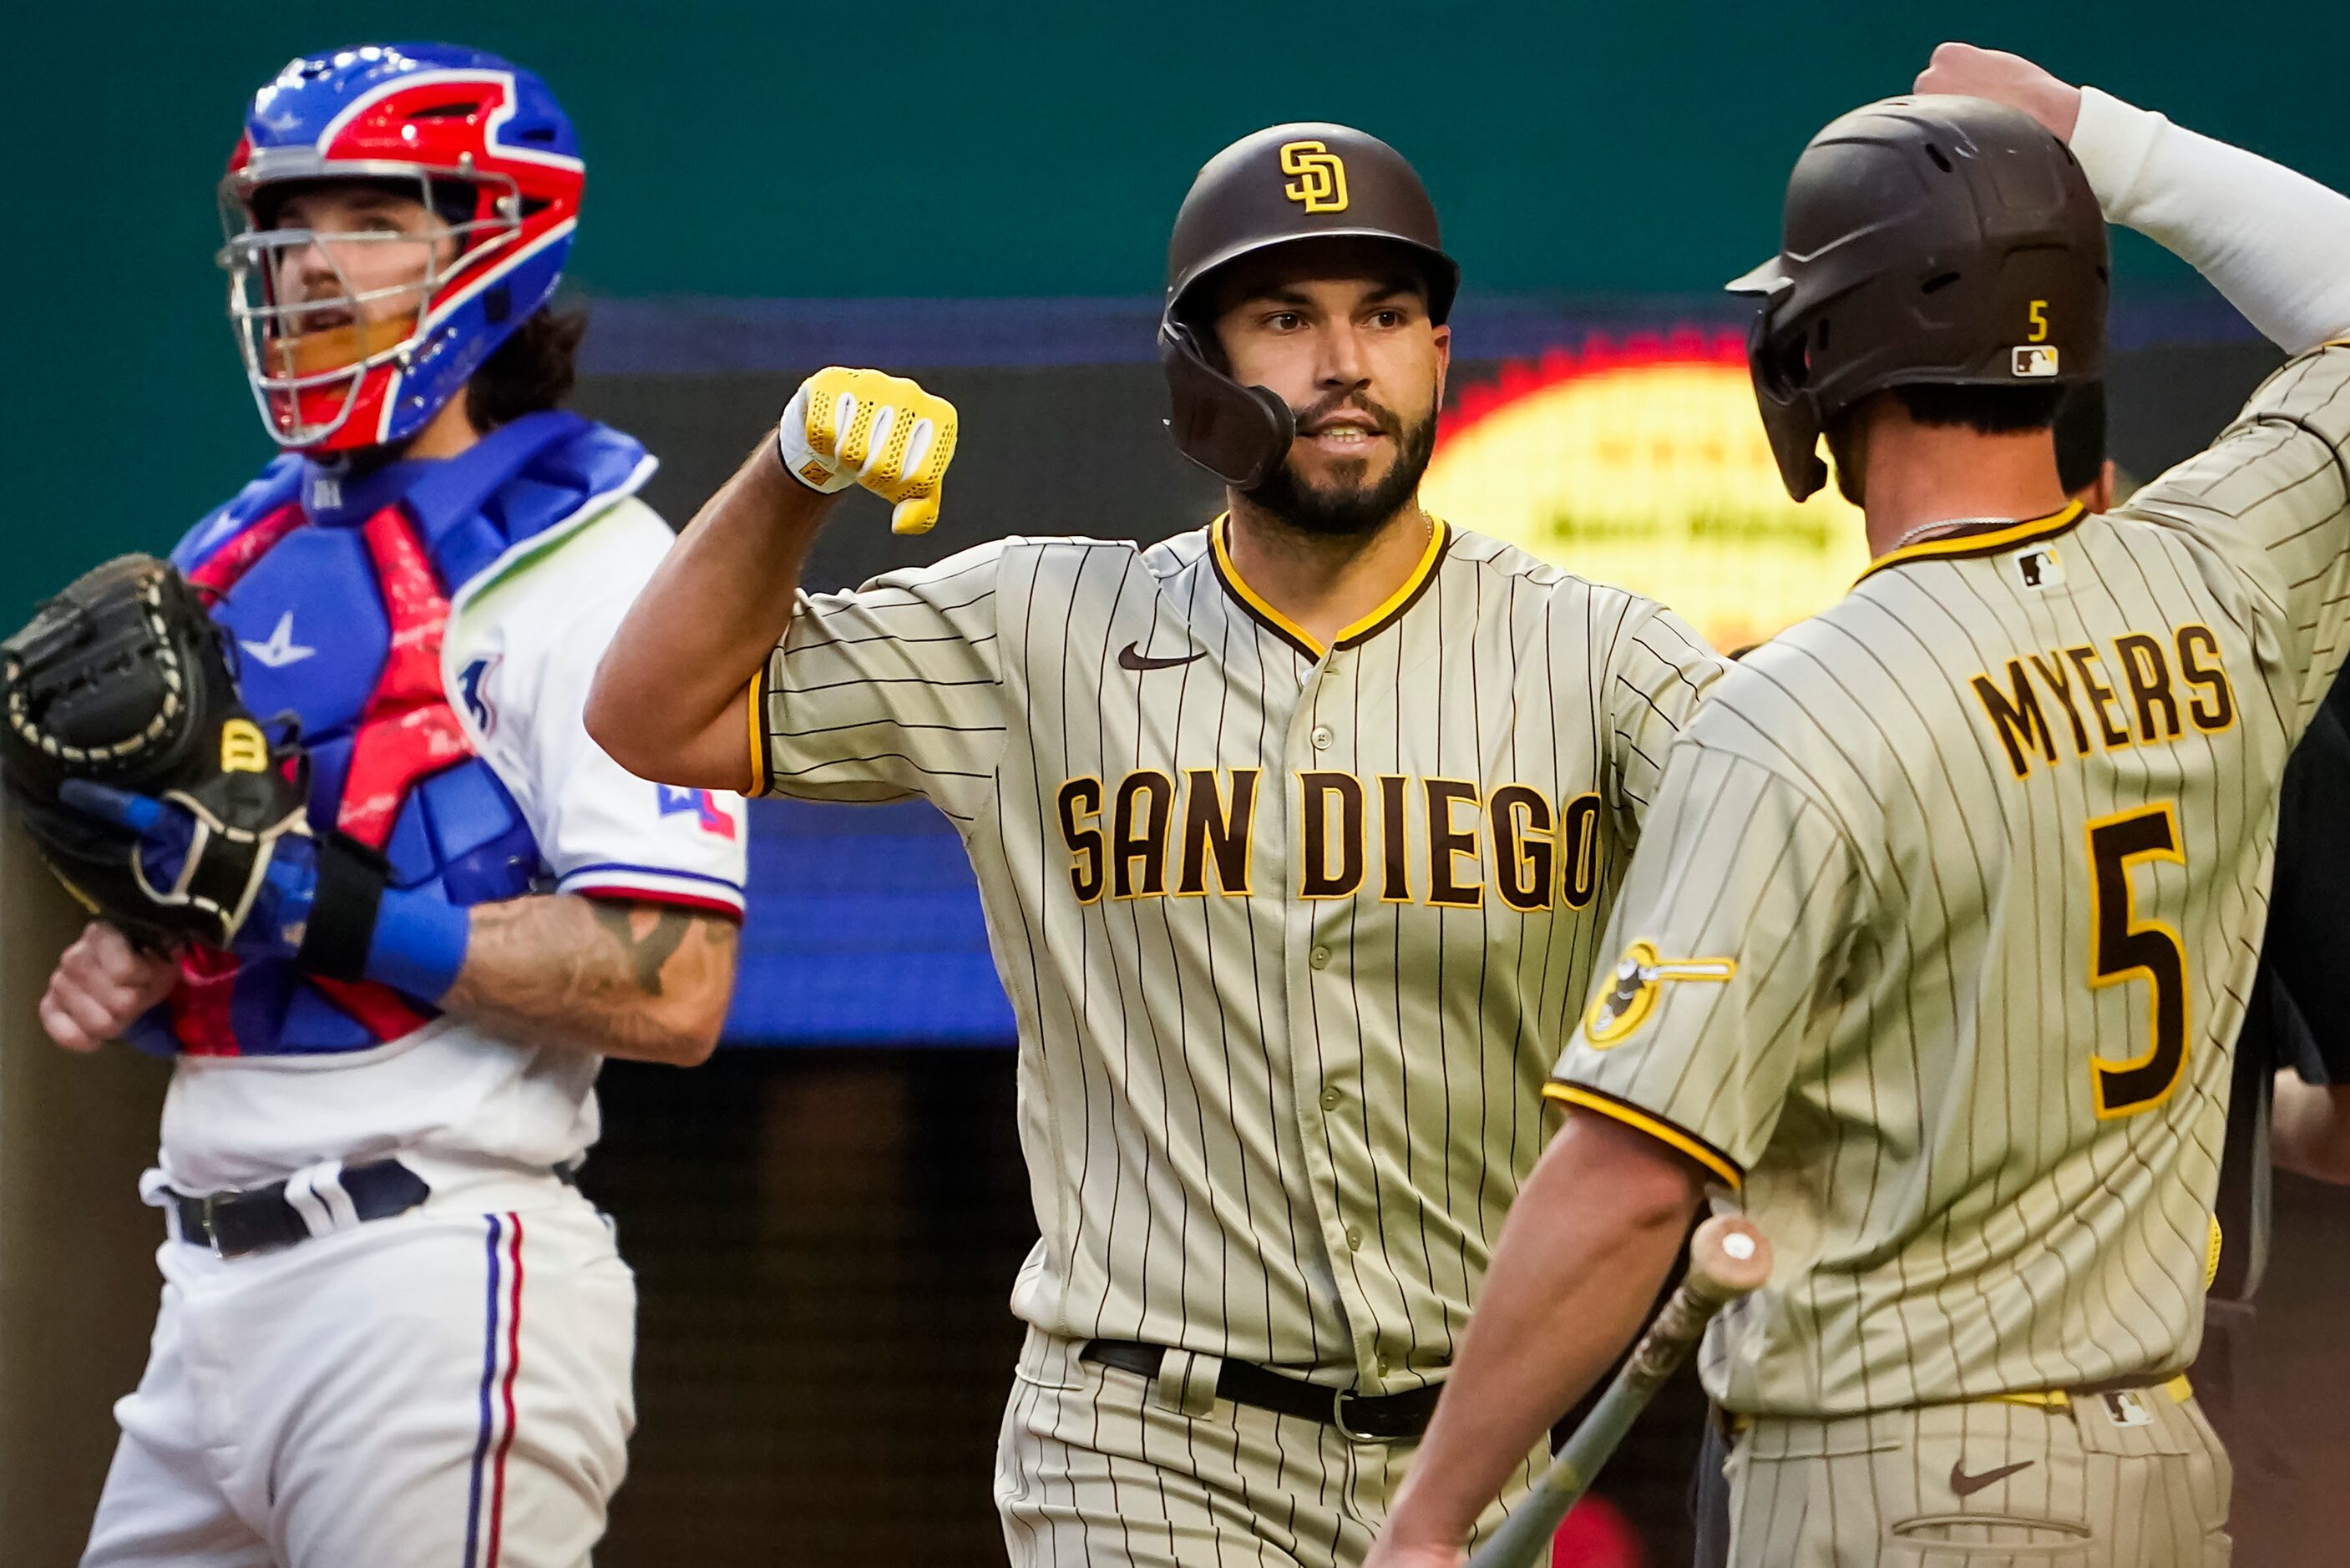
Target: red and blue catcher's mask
pixel 485 150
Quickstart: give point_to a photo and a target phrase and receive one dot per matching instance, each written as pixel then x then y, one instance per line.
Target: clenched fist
pixel 101 983
pixel 884 432
pixel 1968 72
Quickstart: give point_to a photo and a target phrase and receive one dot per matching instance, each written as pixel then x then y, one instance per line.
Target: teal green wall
pixel 773 148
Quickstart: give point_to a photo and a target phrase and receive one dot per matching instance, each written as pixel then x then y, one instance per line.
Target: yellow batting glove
pixel 860 427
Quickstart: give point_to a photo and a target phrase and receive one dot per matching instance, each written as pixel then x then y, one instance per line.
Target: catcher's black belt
pixel 1365 1418
pixel 233 1224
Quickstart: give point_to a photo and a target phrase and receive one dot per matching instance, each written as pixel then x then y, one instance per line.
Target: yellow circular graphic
pixel 1631 993
pixel 1645 466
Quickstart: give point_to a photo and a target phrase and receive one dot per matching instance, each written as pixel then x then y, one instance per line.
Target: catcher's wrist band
pixel 420 945
pixel 359 929
pixel 343 908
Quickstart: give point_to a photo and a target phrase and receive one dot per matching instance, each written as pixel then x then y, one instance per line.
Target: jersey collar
pixel 335 496
pixel 1415 584
pixel 1959 546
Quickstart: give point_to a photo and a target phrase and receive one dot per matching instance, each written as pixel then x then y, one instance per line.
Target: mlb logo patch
pixel 700 803
pixel 2038 567
pixel 2035 361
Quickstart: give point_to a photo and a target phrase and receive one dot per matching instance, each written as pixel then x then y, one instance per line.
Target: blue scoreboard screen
pixel 864 930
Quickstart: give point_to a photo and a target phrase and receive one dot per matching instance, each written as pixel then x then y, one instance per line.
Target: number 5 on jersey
pixel 2122 948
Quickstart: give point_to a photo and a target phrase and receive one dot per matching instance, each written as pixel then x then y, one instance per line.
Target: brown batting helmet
pixel 1926 241
pixel 1290 183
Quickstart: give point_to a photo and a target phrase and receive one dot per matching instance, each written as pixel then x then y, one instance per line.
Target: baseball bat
pixel 1728 1258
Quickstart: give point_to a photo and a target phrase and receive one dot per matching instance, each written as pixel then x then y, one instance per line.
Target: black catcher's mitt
pixel 123 681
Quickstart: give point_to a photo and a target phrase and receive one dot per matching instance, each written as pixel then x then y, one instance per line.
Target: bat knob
pixel 1731 1253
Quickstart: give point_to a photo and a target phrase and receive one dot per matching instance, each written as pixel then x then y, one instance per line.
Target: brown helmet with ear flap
pixel 1306 181
pixel 1929 241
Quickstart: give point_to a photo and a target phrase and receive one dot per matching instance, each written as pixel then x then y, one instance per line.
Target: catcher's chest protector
pixel 337 594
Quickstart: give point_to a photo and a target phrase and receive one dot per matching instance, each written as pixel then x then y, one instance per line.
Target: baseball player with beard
pixel 391 1330
pixel 1295 834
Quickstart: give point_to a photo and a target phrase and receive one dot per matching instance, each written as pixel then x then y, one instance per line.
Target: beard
pixel 1347 507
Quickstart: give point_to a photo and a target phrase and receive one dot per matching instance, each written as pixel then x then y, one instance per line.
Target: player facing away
pixel 1295 834
pixel 1933 952
pixel 392 1331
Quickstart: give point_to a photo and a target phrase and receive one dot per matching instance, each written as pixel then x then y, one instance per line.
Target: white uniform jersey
pixel 1940 940
pixel 521 646
pixel 1292 933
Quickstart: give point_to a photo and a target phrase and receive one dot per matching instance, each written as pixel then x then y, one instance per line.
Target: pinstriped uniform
pixel 1937 952
pixel 1293 935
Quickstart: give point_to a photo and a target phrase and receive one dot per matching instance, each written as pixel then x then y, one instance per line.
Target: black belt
pixel 233 1224
pixel 1364 1418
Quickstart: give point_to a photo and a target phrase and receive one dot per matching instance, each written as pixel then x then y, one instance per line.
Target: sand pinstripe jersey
pixel 1291 934
pixel 1940 935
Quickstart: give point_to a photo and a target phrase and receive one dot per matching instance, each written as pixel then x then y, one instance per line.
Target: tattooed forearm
pixel 640 980
pixel 648 950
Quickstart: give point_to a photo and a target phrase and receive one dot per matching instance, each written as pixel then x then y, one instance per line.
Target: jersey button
pixel 1329 1099
pixel 1354 1240
pixel 1319 958
pixel 1323 736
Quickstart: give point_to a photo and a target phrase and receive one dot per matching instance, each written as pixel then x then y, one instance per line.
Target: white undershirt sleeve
pixel 2274 242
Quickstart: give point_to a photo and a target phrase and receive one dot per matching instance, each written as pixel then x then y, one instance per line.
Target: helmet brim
pixel 1443 274
pixel 1767 280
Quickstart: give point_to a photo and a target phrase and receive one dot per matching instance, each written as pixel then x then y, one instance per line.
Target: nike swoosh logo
pixel 1131 657
pixel 1965 1485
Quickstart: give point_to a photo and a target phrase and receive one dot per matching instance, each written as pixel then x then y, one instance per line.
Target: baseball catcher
pixel 358 871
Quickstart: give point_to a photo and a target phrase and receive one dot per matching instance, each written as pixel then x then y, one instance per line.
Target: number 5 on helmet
pixel 860 427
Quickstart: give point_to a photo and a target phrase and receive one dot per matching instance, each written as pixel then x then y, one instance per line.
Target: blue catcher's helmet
pixel 488 151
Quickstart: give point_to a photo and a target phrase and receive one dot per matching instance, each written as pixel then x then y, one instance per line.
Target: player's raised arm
pixel 2270 240
pixel 668 699
pixel 2269 495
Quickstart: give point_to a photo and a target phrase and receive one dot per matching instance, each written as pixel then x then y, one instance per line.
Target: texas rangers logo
pixel 700 803
pixel 1631 994
pixel 472 686
pixel 1320 185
